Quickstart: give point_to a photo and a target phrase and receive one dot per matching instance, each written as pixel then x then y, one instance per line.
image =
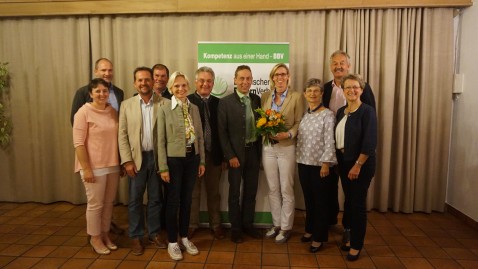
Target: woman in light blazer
pixel 181 160
pixel 278 158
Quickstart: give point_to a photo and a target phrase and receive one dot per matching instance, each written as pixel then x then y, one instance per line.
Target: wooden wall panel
pixel 85 7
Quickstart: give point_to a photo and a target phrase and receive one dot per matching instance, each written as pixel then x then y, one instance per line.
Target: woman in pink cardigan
pixel 95 137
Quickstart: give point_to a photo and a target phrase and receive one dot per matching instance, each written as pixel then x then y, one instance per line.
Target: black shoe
pixel 236 237
pixel 254 233
pixel 313 249
pixel 352 258
pixel 305 239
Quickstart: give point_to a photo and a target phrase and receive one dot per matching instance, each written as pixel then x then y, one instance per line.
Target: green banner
pixel 243 53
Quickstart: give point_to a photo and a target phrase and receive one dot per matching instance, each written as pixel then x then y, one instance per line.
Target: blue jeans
pixel 183 172
pixel 146 177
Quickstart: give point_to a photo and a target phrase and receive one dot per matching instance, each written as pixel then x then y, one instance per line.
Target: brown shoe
pixel 137 247
pixel 157 241
pixel 219 232
pixel 191 232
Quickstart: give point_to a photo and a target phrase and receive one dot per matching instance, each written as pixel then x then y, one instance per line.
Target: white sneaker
pixel 188 246
pixel 175 252
pixel 283 236
pixel 272 232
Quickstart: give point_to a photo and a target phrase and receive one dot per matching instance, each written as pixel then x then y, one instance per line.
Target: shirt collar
pixel 334 85
pixel 143 102
pixel 240 94
pixel 202 97
pixel 284 94
pixel 176 102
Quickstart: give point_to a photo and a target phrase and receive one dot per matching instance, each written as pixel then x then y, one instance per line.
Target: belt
pixel 341 150
pixel 250 144
pixel 189 149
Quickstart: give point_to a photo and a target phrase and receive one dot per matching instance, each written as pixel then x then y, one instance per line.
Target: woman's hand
pixel 354 172
pixel 201 170
pixel 88 176
pixel 324 170
pixel 165 176
pixel 281 136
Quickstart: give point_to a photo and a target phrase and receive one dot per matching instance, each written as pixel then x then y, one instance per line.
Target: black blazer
pixel 166 94
pixel 367 96
pixel 82 96
pixel 216 151
pixel 232 126
pixel 360 132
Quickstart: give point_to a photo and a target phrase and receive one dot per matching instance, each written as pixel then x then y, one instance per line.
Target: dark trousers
pixel 182 173
pixel 243 216
pixel 334 196
pixel 317 195
pixel 355 205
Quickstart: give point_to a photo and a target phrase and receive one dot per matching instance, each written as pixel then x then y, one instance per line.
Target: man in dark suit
pixel 242 151
pixel 104 70
pixel 161 77
pixel 333 98
pixel 207 105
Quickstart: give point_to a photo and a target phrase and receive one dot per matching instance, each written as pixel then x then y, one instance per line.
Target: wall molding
pixel 15 8
pixel 457 213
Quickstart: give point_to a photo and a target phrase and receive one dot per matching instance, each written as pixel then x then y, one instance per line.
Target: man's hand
pixel 165 176
pixel 130 168
pixel 234 162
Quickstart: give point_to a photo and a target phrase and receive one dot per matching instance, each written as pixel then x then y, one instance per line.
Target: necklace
pixel 315 109
pixel 349 111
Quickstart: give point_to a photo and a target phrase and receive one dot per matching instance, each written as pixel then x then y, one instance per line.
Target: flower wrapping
pixel 269 124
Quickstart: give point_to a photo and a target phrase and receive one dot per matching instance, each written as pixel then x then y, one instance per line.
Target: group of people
pixel 170 142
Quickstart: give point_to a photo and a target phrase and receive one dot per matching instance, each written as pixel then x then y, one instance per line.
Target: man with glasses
pixel 207 105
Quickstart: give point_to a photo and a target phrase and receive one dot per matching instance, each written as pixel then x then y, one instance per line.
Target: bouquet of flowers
pixel 269 124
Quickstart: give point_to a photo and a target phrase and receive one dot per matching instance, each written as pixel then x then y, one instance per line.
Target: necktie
pixel 207 126
pixel 249 118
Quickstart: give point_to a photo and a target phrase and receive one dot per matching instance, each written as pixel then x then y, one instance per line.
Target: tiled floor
pixel 53 236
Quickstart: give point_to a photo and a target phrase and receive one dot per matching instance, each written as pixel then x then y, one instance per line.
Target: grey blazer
pixel 232 126
pixel 172 135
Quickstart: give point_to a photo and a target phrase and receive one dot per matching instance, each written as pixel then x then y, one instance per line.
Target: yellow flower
pixel 261 122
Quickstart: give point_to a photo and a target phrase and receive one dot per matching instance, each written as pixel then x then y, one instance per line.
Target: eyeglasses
pixel 352 88
pixel 314 91
pixel 202 81
pixel 276 75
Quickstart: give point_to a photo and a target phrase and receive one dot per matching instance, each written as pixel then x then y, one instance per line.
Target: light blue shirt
pixel 282 98
pixel 112 99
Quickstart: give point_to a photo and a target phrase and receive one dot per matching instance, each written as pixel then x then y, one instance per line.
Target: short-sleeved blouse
pixel 315 140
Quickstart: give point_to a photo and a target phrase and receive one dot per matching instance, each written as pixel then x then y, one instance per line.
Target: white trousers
pixel 99 209
pixel 279 167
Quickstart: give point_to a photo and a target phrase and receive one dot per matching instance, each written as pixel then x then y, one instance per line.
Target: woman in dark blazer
pixel 356 141
pixel 181 160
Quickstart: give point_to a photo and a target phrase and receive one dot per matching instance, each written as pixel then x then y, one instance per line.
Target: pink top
pixel 97 130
